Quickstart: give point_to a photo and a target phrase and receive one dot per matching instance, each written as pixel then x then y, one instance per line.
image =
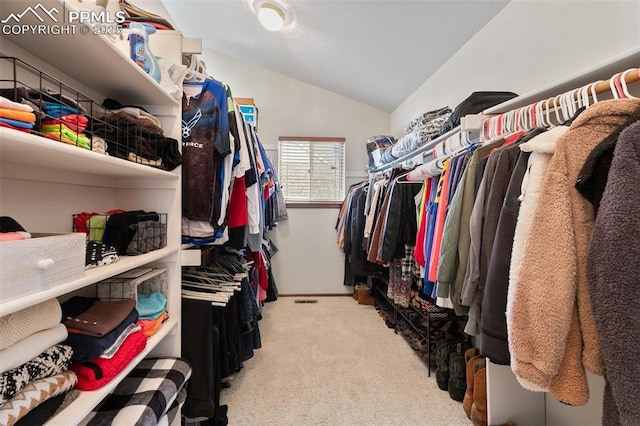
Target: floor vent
pixel 305 301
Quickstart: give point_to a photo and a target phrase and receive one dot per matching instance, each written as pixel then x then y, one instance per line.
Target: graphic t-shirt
pixel 205 140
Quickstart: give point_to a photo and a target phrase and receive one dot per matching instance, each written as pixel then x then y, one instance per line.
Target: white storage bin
pixel 40 263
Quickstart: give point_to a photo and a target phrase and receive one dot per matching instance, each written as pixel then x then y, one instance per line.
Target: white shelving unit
pixel 44 182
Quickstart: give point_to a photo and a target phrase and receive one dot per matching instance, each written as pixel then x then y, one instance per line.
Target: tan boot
pixel 473 364
pixel 479 406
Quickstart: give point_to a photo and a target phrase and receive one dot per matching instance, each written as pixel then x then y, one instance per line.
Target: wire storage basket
pixel 65 115
pixel 132 235
pixel 134 282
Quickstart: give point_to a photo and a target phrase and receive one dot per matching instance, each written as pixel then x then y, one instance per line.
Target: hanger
pixel 405 181
pixel 614 89
pixel 195 74
pixel 592 89
pixel 623 83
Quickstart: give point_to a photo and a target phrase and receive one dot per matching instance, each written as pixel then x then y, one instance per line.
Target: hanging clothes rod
pixel 563 106
pixel 420 150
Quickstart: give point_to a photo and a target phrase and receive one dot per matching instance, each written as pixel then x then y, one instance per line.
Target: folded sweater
pixel 98 372
pixel 34 394
pixel 54 360
pixel 21 324
pixel 30 347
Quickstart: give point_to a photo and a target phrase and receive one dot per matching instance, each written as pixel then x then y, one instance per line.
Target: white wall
pixel 528 45
pixel 309 261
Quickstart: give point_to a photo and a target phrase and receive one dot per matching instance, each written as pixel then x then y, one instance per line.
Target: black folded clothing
pixel 474 104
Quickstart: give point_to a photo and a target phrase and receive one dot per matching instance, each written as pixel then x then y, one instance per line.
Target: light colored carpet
pixel 335 363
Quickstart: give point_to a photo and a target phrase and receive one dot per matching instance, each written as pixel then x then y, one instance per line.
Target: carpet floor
pixel 335 363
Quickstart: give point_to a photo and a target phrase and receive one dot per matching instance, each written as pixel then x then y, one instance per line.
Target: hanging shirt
pixel 202 162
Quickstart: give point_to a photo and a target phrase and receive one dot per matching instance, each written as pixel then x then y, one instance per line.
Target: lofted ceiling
pixel 377 52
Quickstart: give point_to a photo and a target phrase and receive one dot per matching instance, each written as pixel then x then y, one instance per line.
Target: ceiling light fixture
pixel 271 16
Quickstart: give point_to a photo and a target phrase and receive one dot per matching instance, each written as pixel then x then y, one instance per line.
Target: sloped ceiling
pixel 374 51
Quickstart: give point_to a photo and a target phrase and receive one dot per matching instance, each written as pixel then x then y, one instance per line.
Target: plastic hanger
pixel 623 83
pixel 539 112
pixel 547 108
pixel 584 95
pixel 592 89
pixel 405 181
pixel 614 89
pixel 557 108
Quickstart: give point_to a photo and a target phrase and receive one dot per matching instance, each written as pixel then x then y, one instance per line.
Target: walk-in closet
pixel 372 212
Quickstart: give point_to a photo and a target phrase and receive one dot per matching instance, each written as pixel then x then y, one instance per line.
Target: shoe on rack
pixel 479 406
pixel 473 365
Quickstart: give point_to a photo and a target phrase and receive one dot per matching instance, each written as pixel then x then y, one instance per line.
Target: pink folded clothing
pixel 77 123
pixel 13 236
pixel 98 372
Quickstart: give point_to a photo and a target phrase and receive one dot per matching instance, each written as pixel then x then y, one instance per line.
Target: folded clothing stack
pixel 153 312
pixel 105 338
pixel 17 116
pixel 118 232
pixel 132 133
pixel 136 14
pixel 376 145
pixel 34 365
pixel 419 131
pixel 427 120
pixel 65 123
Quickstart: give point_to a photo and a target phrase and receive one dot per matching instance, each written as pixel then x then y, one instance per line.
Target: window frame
pixel 311 140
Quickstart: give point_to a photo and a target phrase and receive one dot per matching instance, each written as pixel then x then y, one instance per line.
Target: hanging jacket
pixel 612 271
pixel 554 269
pixel 541 148
pixel 454 257
pixel 493 323
pixel 401 222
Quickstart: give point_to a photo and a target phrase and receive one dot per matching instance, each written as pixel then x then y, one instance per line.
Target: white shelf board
pixel 602 71
pixel 91 276
pixel 84 404
pixel 91 59
pixel 29 149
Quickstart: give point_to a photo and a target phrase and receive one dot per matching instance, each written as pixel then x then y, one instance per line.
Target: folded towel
pixel 54 360
pixel 98 372
pixel 25 116
pixel 18 325
pixel 56 110
pixel 75 122
pixel 30 347
pixel 9 126
pixel 34 394
pixel 17 123
pixel 9 104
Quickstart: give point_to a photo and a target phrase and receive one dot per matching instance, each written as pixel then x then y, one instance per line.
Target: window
pixel 311 169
